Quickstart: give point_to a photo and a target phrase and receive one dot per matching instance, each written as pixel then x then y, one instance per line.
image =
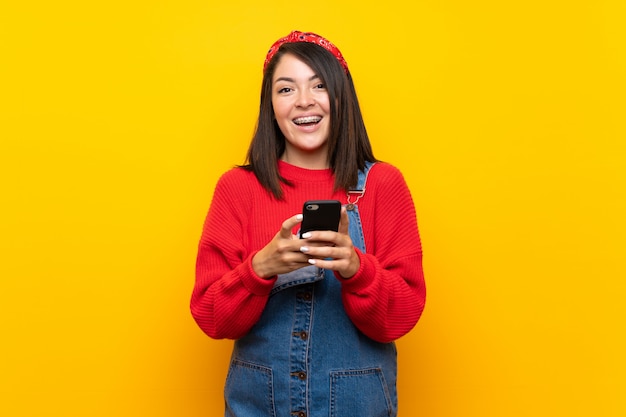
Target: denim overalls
pixel 305 358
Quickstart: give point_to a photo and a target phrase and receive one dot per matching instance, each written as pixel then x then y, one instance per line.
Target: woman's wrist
pixel 353 267
pixel 258 267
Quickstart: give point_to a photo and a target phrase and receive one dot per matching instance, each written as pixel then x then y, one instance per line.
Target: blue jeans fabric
pixel 305 357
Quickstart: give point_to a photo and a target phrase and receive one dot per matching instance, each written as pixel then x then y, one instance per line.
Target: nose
pixel 305 99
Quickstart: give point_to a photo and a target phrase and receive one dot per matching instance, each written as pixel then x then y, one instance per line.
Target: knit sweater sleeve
pixel 228 297
pixel 386 297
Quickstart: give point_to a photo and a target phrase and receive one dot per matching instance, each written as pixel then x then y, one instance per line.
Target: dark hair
pixel 348 143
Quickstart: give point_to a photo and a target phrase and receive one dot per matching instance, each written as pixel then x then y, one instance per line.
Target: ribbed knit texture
pixel 384 299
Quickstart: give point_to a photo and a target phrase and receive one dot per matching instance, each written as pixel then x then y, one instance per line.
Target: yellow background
pixel 507 119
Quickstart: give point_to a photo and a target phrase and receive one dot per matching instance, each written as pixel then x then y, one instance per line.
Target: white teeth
pixel 307 119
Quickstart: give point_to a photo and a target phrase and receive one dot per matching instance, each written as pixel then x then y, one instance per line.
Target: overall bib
pixel 305 357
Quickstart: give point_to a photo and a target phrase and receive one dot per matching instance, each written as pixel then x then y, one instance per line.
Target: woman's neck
pixel 317 160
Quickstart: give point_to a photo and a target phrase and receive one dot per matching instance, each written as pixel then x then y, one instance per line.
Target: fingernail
pixel 312 261
pixel 304 249
pixel 306 235
pixel 298 216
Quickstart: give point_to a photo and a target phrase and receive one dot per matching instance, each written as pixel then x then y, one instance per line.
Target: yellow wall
pixel 507 118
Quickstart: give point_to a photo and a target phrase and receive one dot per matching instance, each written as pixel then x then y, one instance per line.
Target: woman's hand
pixel 332 250
pixel 282 254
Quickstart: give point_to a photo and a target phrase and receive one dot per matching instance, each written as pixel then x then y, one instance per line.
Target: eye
pixel 284 90
pixel 320 86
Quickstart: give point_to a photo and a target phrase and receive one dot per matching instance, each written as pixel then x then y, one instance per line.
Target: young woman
pixel 314 318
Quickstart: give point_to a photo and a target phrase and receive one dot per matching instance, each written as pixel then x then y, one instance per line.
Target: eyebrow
pixel 291 80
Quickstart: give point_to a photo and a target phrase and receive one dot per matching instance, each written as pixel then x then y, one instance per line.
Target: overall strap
pixel 359 190
pixel 353 196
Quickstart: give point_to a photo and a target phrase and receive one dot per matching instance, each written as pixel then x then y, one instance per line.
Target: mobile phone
pixel 320 215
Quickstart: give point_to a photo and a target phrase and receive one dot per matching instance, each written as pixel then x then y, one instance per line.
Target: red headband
pixel 297 36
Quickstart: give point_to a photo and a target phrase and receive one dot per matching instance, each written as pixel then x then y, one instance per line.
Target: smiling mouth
pixel 307 121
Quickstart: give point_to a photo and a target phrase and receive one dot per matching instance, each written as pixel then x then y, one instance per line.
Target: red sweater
pixel 384 299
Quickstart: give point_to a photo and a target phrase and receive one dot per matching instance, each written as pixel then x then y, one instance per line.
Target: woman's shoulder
pixel 237 176
pixel 387 180
pixel 384 172
pixel 389 187
pixel 237 180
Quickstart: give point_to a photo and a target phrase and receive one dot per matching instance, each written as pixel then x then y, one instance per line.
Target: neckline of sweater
pixel 296 173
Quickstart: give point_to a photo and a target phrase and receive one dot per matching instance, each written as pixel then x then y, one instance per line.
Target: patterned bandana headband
pixel 297 36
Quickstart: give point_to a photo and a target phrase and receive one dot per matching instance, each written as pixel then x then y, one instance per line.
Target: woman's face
pixel 302 111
